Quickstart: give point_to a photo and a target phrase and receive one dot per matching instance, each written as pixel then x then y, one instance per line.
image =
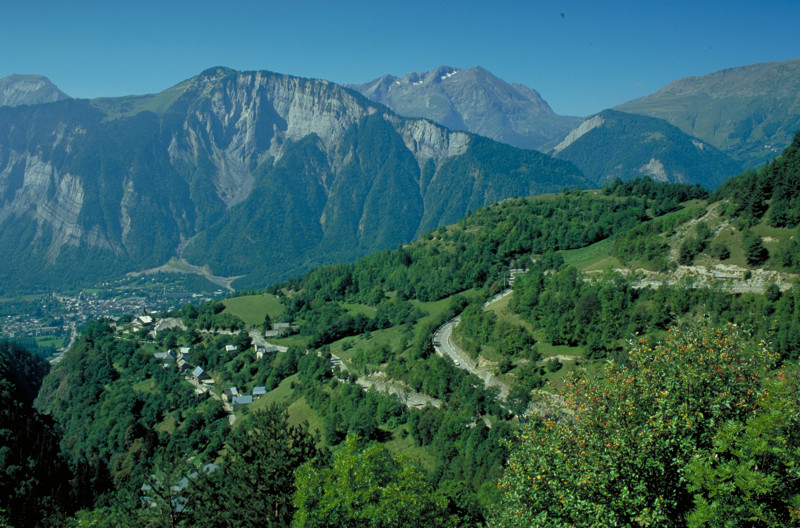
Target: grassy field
pixel 359 309
pixel 547 349
pixel 282 395
pixel 348 347
pixel 167 425
pixel 252 308
pixel 435 309
pixel 300 412
pixel 504 313
pixel 591 258
pixel 146 385
pixel 406 447
pixel 46 341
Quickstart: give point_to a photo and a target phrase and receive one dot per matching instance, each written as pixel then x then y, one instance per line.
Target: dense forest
pixel 642 342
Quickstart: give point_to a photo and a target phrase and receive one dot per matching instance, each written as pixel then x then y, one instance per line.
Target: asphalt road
pixel 444 346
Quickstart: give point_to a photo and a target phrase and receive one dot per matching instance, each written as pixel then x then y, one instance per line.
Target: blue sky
pixel 582 56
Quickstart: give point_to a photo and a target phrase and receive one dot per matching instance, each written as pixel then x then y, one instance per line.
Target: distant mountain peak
pixel 474 100
pixel 217 72
pixel 17 90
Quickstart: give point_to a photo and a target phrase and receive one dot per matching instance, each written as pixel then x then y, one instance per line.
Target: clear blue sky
pixel 582 56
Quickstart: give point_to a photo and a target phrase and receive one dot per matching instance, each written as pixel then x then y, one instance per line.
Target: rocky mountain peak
pixel 473 100
pixel 17 90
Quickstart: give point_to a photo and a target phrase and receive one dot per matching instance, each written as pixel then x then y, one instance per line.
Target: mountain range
pixel 748 113
pixel 250 173
pixel 263 175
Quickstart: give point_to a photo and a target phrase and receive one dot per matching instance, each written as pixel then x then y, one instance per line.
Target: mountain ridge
pixel 750 111
pixel 614 144
pixel 123 181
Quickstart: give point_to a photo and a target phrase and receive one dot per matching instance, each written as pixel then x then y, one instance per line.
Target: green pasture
pixel 252 308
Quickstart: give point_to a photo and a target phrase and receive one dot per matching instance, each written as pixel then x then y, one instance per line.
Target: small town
pixel 50 322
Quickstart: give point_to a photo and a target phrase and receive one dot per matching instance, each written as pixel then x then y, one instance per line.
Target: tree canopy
pixel 366 487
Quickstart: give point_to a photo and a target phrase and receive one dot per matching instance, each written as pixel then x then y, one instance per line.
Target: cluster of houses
pixel 281 329
pixel 177 495
pixel 231 395
pixel 180 358
pixel 177 358
pixel 154 326
pixel 142 321
pixel 263 350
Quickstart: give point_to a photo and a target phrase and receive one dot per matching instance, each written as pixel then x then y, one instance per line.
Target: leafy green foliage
pixel 620 455
pixel 109 395
pixel 749 474
pixel 479 328
pixel 665 196
pixel 573 311
pixel 754 250
pixel 34 477
pixel 366 487
pixel 119 410
pixel 775 186
pixel 476 253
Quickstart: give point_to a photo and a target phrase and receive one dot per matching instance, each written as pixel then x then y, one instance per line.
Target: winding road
pixel 444 346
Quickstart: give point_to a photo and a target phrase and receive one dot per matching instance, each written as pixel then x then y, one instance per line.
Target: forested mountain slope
pixel 614 144
pixel 751 112
pixel 34 477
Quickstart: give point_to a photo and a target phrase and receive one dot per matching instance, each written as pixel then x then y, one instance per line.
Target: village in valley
pixel 180 358
pixel 48 323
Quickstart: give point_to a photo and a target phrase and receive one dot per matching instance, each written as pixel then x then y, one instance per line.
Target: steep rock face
pixel 266 174
pixel 750 112
pixel 473 100
pixel 585 127
pixel 16 90
pixel 615 144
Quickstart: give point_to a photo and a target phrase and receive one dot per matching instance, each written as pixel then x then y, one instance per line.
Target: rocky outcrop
pixel 587 126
